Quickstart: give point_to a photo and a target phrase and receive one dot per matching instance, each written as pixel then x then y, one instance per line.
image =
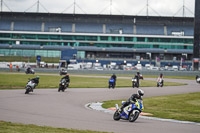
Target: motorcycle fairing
pixel 137 106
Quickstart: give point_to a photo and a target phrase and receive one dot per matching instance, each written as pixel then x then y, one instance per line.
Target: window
pixel 104 38
pixel 128 39
pixel 79 37
pixel 43 37
pixel 91 38
pixel 140 39
pixel 2 35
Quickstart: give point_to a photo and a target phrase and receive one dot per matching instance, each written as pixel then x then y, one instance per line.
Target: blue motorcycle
pixel 111 83
pixel 130 112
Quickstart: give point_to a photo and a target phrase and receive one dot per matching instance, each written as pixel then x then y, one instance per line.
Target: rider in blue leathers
pixel 133 98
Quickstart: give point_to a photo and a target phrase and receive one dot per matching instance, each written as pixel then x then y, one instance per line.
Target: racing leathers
pixel 132 99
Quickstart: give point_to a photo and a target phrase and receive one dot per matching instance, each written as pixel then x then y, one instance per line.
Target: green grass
pixel 7 127
pixel 180 107
pixel 18 81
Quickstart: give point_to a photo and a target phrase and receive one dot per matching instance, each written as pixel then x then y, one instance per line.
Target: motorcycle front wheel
pixel 157 85
pixel 133 85
pixel 60 88
pixel 116 116
pixel 133 117
pixel 27 90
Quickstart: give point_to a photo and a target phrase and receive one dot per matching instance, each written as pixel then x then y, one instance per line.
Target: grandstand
pixel 102 37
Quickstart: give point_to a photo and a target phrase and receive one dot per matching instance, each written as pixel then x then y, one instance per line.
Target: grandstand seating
pixel 150 29
pixel 27 25
pixel 65 26
pixel 114 28
pixel 141 29
pixel 94 24
pixel 89 27
pixel 5 25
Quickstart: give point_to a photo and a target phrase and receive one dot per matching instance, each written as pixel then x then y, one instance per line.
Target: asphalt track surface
pixel 48 107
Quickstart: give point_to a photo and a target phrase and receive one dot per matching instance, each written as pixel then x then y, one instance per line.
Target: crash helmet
pixel 37 77
pixel 161 75
pixel 140 92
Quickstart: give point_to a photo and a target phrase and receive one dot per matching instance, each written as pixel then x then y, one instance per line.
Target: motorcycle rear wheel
pixel 133 117
pixel 116 116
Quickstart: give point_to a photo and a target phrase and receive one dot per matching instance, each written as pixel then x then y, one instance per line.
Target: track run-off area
pixel 48 107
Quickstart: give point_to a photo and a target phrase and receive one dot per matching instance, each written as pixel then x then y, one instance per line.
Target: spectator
pixel 11 67
pixel 17 67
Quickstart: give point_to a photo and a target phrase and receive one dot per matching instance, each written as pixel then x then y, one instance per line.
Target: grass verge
pixel 180 107
pixel 18 81
pixel 7 127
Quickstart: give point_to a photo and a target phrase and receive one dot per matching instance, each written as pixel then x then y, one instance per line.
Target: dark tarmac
pixel 48 107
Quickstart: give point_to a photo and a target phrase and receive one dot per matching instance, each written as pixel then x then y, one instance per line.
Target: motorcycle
pixel 135 83
pixel 63 85
pixel 198 80
pixel 130 112
pixel 141 77
pixel 111 83
pixel 160 83
pixel 63 72
pixel 29 71
pixel 29 86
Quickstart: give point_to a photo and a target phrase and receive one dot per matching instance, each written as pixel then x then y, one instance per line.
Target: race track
pixel 67 109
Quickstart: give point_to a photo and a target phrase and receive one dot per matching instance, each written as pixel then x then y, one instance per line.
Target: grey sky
pixel 121 7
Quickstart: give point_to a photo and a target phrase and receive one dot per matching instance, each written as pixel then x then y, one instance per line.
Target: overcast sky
pixel 121 7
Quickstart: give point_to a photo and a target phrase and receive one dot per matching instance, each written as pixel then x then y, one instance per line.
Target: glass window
pixel 119 38
pixel 3 35
pixel 54 37
pixel 52 53
pixel 28 52
pixel 128 39
pixel 67 37
pixel 18 36
pixel 113 38
pixel 79 37
pixel 43 37
pixel 29 36
pixel 4 52
pixel 91 38
pixel 104 38
pixel 165 40
pixel 155 46
pixel 140 39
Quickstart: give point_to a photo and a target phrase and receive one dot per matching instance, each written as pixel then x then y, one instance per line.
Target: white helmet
pixel 140 92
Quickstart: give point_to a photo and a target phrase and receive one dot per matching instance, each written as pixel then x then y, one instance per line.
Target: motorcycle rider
pixel 35 80
pixel 137 76
pixel 28 69
pixel 66 77
pixel 133 98
pixel 114 77
pixel 160 78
